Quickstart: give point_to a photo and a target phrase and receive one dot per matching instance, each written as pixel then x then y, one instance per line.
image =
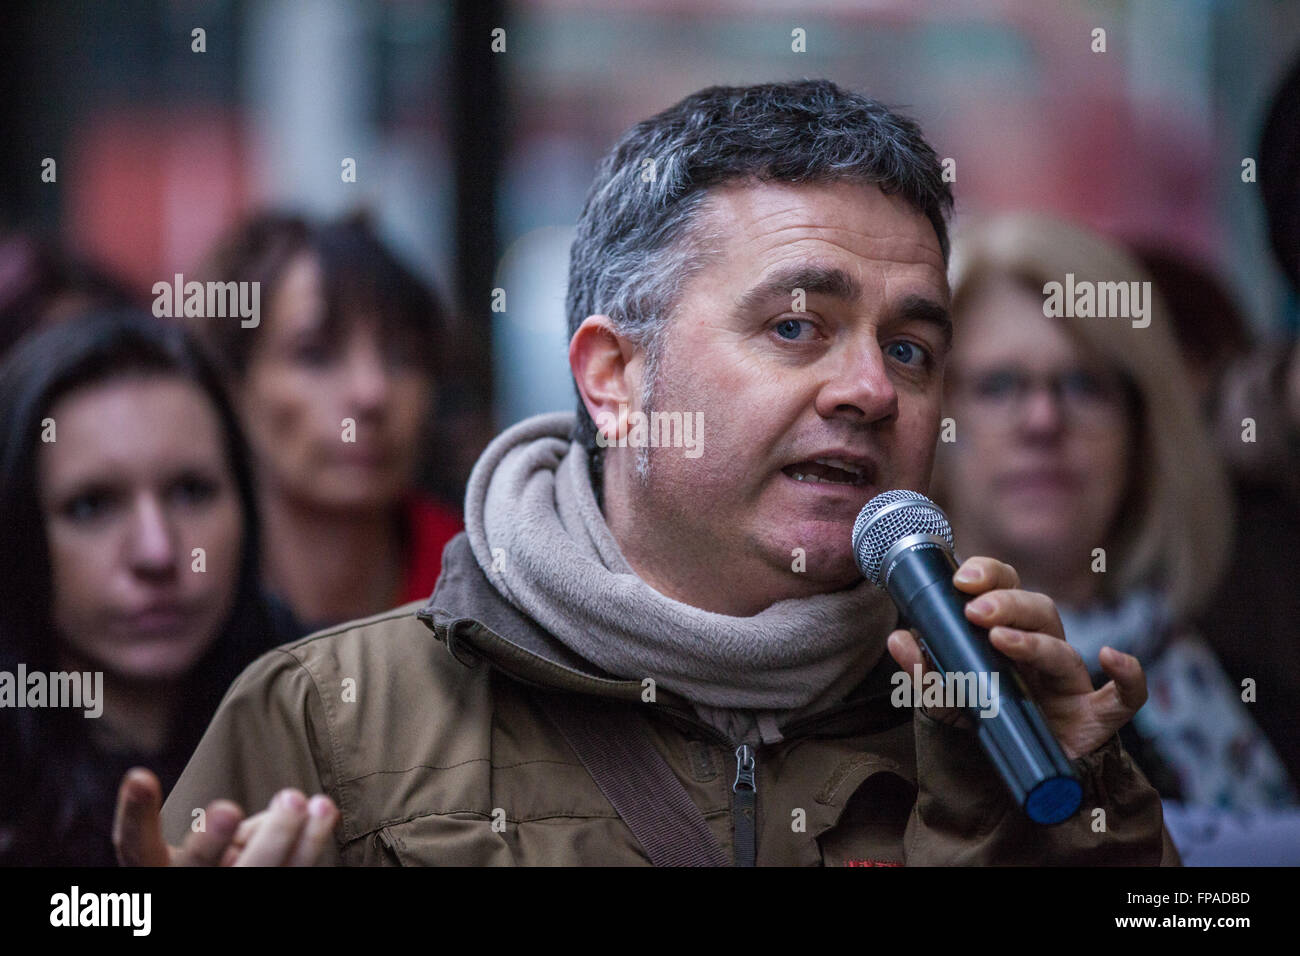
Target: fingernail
pixel 290 800
pixel 967 575
pixel 318 806
pixel 981 606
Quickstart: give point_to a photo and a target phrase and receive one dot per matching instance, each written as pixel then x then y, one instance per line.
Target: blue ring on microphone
pixel 1054 800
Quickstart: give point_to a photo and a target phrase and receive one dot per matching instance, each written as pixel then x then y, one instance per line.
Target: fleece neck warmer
pixel 538 533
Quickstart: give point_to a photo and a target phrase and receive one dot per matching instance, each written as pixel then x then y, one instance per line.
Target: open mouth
pixel 830 471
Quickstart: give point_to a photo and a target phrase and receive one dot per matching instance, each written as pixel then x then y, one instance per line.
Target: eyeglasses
pixel 1085 396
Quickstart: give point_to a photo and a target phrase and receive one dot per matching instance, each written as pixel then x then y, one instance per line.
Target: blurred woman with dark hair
pixel 335 386
pixel 130 550
pixel 42 283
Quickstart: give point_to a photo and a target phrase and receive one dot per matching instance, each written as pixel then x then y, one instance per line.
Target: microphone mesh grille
pixel 875 533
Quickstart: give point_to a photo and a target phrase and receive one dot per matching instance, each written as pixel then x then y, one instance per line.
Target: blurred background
pixel 474 162
pixel 140 133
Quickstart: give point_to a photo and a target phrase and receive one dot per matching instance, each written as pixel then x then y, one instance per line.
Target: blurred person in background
pixel 41 284
pixel 1209 329
pixel 121 456
pixel 1079 458
pixel 1253 623
pixel 347 334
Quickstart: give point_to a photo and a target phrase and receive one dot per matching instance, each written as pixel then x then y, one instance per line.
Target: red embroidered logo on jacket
pixel 871 863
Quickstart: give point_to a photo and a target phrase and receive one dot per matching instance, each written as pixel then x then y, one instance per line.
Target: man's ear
pixel 606 367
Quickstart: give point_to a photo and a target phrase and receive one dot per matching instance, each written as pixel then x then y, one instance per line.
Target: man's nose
pixel 152 545
pixel 859 387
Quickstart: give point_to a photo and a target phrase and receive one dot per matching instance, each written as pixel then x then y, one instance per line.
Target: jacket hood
pixel 472 618
pixel 468 614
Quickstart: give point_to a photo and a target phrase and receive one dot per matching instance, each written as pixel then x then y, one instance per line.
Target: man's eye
pixel 908 353
pixel 790 328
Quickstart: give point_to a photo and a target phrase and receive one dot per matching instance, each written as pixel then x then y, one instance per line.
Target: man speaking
pixel 639 655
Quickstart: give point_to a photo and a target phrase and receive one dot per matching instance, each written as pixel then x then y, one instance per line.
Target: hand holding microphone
pixel 1048 712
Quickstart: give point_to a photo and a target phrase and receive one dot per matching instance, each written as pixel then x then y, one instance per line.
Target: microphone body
pixel 904 545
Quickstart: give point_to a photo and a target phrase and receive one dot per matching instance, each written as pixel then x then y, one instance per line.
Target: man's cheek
pixel 706 481
pixel 913 453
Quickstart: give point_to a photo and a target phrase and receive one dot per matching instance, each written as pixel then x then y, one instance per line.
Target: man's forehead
pixel 753 219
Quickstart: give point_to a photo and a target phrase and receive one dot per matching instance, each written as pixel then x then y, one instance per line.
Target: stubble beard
pixel 648 389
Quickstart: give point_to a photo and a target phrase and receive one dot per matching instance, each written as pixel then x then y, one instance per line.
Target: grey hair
pixel 637 243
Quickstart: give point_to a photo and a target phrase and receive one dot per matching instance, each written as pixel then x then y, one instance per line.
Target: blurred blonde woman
pixel 1078 457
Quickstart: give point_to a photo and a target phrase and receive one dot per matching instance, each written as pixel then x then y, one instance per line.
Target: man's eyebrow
pixel 838 284
pixel 814 280
pixel 917 308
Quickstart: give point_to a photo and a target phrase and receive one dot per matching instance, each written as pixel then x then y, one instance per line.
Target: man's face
pixel 854 379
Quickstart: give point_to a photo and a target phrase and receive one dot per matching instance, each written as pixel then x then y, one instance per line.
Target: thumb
pixel 137 829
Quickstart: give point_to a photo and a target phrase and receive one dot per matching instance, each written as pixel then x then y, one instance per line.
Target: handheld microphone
pixel 902 543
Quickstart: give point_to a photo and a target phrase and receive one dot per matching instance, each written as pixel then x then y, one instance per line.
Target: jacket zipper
pixel 745 806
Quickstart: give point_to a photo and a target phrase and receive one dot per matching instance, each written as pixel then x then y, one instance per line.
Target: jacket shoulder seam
pixel 332 758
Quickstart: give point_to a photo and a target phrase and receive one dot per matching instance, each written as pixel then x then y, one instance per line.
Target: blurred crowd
pixel 190 493
pixel 179 495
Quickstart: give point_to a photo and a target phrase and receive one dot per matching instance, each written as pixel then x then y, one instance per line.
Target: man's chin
pixel 826 562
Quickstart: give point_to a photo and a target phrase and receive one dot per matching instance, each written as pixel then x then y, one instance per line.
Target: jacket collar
pixel 474 620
